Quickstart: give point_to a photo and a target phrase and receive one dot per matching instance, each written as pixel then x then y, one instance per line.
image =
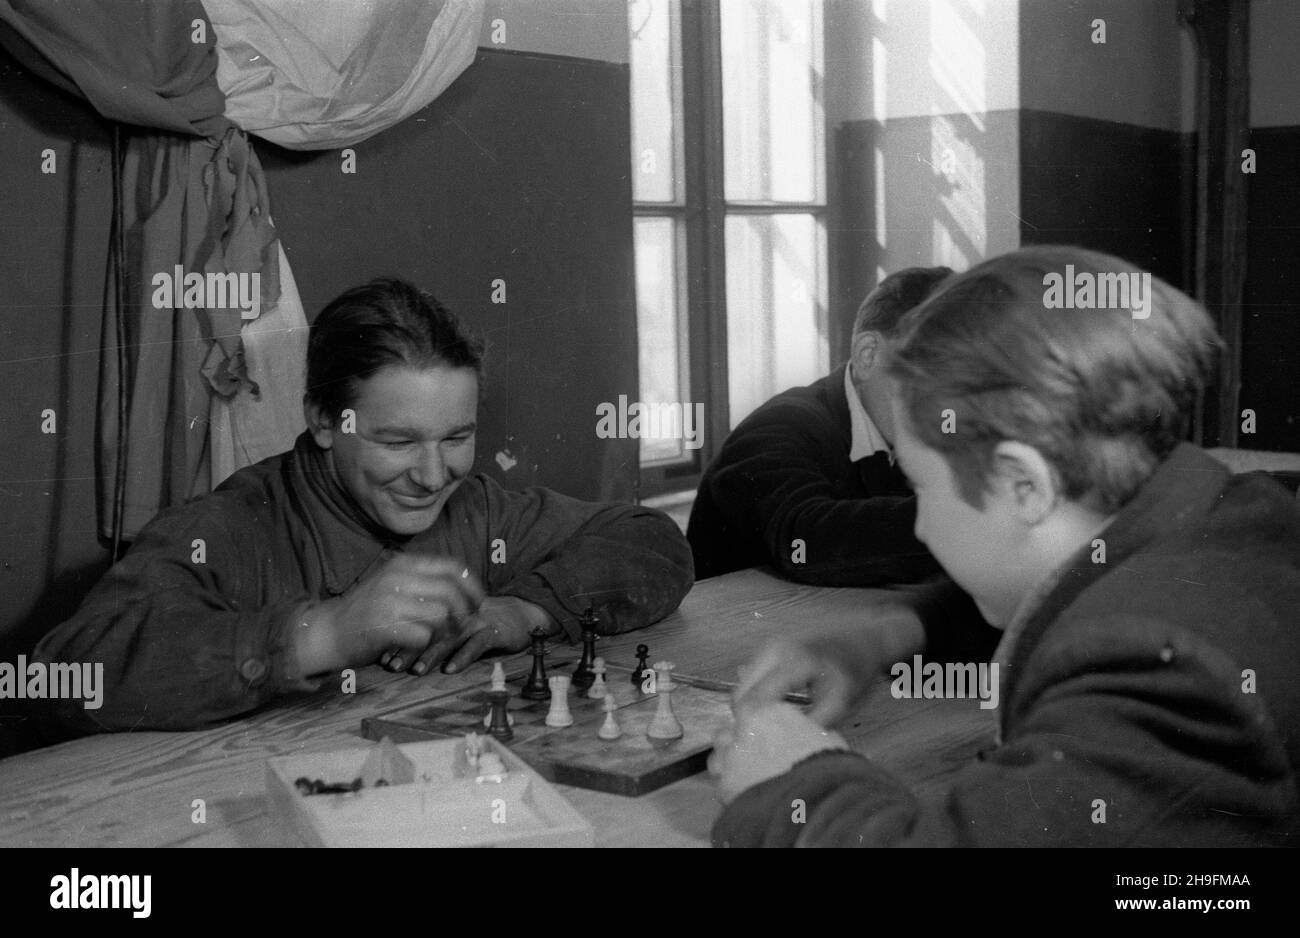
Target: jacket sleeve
pixel 179 630
pixel 630 564
pixel 1115 744
pixel 775 482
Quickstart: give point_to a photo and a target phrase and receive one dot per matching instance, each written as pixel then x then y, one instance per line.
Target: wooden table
pixel 140 789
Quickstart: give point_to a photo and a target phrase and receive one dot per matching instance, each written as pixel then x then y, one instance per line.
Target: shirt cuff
pixel 287 671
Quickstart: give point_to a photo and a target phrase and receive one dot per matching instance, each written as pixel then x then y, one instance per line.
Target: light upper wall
pixel 916 58
pixel 587 29
pixel 1141 75
pixel 1274 74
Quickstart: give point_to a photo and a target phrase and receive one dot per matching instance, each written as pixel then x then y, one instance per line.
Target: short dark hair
pixel 384 322
pixel 894 296
pixel 1102 395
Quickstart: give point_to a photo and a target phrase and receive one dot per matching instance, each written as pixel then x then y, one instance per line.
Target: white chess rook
pixel 559 714
pixel 665 724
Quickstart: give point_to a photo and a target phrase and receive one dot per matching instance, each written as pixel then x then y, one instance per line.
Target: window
pixel 728 169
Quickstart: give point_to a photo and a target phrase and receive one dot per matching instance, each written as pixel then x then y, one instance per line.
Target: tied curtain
pixel 189 192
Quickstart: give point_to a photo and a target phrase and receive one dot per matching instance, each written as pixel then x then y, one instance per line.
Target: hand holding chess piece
pixel 765 742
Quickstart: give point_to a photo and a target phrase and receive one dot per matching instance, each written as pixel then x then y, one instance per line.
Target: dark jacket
pixel 187 638
pixel 1162 686
pixel 784 475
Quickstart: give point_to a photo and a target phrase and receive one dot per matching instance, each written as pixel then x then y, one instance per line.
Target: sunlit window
pixel 728 178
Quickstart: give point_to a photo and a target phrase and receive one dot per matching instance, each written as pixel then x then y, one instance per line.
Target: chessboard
pixel 631 765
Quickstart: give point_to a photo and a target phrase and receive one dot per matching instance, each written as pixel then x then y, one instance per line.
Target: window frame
pixel 701 215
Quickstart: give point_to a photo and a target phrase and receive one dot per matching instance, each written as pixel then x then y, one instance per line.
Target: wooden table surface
pixel 139 789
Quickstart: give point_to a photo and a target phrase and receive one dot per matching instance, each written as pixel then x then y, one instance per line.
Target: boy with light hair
pixel 1150 656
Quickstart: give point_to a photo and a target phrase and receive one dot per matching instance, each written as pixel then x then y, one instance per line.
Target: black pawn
pixel 642 668
pixel 537 688
pixel 499 727
pixel 584 676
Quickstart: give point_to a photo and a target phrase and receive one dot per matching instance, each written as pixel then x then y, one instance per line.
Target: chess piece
pixel 665 724
pixel 490 768
pixel 597 689
pixel 536 688
pixel 610 728
pixel 583 676
pixel 387 763
pixel 642 669
pixel 499 727
pixel 498 685
pixel 559 714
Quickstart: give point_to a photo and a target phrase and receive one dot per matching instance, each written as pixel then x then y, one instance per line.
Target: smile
pixel 416 502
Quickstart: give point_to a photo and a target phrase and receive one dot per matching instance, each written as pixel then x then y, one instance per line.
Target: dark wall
pixel 519 172
pixel 1270 350
pixel 53 262
pixel 1109 186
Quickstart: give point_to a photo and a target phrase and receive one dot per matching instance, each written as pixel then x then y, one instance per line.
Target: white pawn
pixel 559 714
pixel 610 728
pixel 597 689
pixel 498 684
pixel 665 724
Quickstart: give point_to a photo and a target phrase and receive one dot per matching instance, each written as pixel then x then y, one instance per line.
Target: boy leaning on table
pixel 1149 601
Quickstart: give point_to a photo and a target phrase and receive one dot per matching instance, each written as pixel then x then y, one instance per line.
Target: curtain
pixel 191 193
pixel 326 74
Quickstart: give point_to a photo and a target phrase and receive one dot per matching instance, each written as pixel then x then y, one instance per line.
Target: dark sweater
pixel 1130 688
pixel 186 643
pixel 784 475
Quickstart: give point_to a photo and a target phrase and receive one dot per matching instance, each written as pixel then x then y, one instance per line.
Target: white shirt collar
pixel 867 440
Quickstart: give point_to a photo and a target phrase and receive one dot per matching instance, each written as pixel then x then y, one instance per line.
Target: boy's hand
pixel 408 602
pixel 502 623
pixel 766 742
pixel 838 667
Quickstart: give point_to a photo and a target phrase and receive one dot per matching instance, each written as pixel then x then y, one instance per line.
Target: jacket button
pixel 254 669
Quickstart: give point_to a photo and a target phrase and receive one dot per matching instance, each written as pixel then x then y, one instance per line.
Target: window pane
pixel 661 339
pixel 776 307
pixel 654 99
pixel 772 94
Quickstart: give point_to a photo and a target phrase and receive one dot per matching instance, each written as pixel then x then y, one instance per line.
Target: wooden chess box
pixel 446 805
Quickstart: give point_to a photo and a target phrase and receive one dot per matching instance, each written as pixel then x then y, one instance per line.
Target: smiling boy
pixel 372 539
pixel 1150 653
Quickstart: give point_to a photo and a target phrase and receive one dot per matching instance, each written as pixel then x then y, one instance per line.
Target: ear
pixel 319 423
pixel 1028 479
pixel 865 351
